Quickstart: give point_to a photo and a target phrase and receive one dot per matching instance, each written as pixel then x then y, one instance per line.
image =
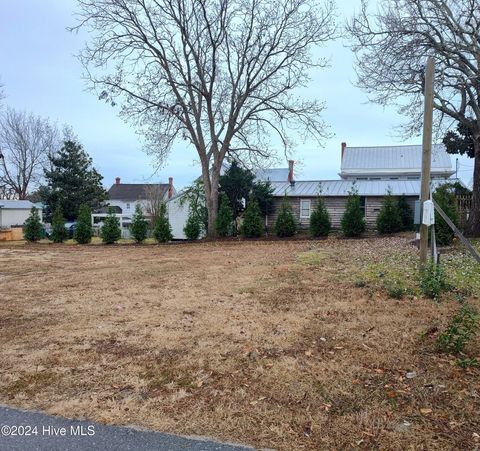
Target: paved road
pixel 55 433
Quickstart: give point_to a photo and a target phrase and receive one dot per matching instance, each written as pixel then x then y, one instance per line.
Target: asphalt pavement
pixel 22 430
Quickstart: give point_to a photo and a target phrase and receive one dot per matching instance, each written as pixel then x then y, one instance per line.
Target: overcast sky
pixel 41 75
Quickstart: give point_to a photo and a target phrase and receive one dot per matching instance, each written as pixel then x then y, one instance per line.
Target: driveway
pixel 24 430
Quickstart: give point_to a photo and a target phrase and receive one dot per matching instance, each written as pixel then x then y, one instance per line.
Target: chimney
pixel 170 187
pixel 344 146
pixel 291 179
pixel 117 180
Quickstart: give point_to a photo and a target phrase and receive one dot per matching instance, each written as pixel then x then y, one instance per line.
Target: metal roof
pixel 342 187
pixel 16 204
pixel 272 175
pixel 134 191
pixel 394 158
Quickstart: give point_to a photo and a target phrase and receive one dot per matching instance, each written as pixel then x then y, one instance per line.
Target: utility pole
pixel 426 155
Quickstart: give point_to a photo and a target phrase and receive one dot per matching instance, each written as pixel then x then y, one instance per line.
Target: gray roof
pixel 394 158
pixel 133 191
pixel 342 187
pixel 272 175
pixel 17 204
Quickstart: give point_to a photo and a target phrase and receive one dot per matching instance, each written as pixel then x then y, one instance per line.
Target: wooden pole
pixel 426 155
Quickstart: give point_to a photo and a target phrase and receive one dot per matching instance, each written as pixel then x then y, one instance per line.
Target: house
pixel 178 208
pixel 13 214
pixel 124 196
pixel 372 171
pixel 392 163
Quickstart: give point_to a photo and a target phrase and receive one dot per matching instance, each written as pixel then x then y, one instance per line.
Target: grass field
pixel 289 345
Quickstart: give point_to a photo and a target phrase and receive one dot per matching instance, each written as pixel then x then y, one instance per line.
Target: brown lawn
pixel 266 343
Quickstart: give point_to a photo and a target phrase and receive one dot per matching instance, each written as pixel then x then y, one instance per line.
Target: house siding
pixel 335 207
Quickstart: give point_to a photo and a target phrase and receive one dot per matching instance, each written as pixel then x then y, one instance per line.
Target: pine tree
pixel 110 231
pixel 139 225
pixel 252 225
pixel 445 197
pixel 225 217
pixel 59 232
pixel 71 181
pixel 162 231
pixel 406 213
pixel 192 227
pixel 353 222
pixel 320 224
pixel 83 227
pixel 389 219
pixel 33 228
pixel 285 224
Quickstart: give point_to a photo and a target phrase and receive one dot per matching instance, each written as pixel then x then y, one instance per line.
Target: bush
pixel 33 228
pixel 432 282
pixel 224 223
pixel 59 232
pixel 395 289
pixel 192 228
pixel 252 225
pixel 406 213
pixel 446 199
pixel 389 219
pixel 353 222
pixel 83 228
pixel 110 231
pixel 460 331
pixel 320 224
pixel 139 225
pixel 162 231
pixel 285 224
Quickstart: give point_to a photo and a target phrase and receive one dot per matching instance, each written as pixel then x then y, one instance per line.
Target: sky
pixel 41 75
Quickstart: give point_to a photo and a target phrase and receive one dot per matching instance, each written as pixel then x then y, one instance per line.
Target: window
pixel 362 204
pixel 128 206
pixel 305 208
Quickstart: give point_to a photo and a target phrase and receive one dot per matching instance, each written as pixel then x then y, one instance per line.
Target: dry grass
pixel 275 344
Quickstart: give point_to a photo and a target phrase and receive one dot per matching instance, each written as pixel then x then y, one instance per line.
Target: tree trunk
pixel 472 228
pixel 212 204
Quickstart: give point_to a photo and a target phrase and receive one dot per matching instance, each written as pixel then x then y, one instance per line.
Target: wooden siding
pixel 335 207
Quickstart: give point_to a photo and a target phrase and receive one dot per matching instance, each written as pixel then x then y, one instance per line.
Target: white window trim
pixel 309 208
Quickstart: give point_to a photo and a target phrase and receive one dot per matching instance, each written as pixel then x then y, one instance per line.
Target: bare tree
pixel 391 49
pixel 25 143
pixel 2 94
pixel 219 74
pixel 154 195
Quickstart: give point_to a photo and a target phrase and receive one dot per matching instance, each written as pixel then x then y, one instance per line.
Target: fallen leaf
pixel 425 411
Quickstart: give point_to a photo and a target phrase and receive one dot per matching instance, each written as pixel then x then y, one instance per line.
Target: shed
pixel 13 213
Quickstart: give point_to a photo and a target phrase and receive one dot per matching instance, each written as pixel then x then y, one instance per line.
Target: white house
pixel 124 196
pixel 13 213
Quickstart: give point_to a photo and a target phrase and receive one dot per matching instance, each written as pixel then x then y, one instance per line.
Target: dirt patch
pixel 281 344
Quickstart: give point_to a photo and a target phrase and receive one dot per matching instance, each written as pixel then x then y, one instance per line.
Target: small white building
pixel 178 210
pixel 13 213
